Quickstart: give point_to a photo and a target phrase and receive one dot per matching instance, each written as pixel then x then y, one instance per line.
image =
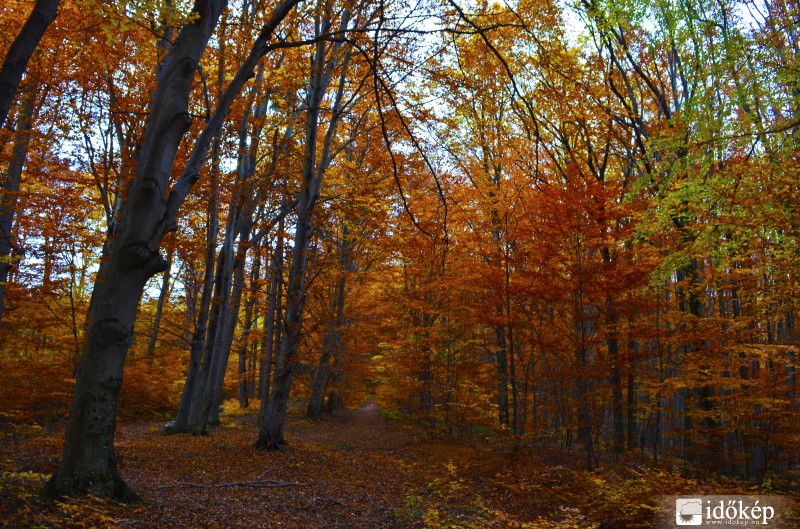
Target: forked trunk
pixel 270 435
pixel 89 462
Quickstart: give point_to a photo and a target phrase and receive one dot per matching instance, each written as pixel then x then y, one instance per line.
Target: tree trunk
pixel 516 427
pixel 273 310
pixel 199 336
pixel 162 295
pixel 231 284
pixel 249 323
pixel 21 50
pixel 618 422
pixel 321 377
pixel 583 330
pixel 332 342
pixel 270 435
pixel 88 462
pixel 10 190
pixel 502 372
pixel 201 400
pixel 271 432
pixel 230 328
pixel 632 413
pixel 207 361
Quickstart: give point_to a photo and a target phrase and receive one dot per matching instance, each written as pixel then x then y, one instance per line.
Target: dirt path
pixel 354 469
pixel 350 470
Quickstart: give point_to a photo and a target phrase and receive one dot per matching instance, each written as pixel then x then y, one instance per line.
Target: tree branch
pixel 263 483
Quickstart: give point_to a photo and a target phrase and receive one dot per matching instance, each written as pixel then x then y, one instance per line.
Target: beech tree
pixel 11 73
pixel 88 462
pixel 327 59
pixel 462 210
pixel 16 61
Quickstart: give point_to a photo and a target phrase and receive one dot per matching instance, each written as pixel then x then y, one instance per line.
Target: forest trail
pixel 343 471
pixel 350 470
pixel 354 469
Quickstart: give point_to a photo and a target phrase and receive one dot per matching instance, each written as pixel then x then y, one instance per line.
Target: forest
pixel 396 263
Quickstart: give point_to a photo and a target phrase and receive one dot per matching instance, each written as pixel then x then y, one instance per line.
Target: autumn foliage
pixel 566 230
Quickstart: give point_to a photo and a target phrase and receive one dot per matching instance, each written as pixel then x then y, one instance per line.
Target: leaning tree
pixel 132 256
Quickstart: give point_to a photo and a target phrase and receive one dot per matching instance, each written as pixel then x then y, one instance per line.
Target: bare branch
pixel 263 483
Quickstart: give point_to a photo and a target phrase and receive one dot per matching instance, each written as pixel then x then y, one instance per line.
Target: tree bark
pixel 207 360
pixel 271 431
pixel 16 62
pixel 201 400
pixel 229 328
pixel 502 372
pixel 332 342
pixel 232 278
pixel 198 341
pixel 88 461
pixel 272 316
pixel 249 324
pixel 612 341
pixel 270 434
pixel 10 190
pixel 162 295
pixel 191 174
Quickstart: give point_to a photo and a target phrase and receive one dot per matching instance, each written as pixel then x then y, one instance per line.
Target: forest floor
pixel 355 469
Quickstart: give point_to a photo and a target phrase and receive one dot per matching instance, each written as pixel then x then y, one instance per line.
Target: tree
pixel 88 462
pixel 14 66
pixel 327 58
pixel 16 61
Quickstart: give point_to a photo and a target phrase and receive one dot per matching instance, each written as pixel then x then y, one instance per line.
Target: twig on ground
pixel 369 498
pixel 260 483
pixel 337 502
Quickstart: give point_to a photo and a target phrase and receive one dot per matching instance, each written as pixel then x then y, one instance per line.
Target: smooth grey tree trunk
pixel 213 397
pixel 198 340
pixel 228 329
pixel 207 360
pixel 162 295
pixel 270 435
pixel 218 301
pixel 271 431
pixel 272 316
pixel 209 413
pixel 20 52
pixel 10 189
pixel 332 342
pixel 198 414
pixel 517 422
pixel 250 324
pixel 231 280
pixel 191 174
pixel 246 204
pixel 88 461
pixel 330 347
